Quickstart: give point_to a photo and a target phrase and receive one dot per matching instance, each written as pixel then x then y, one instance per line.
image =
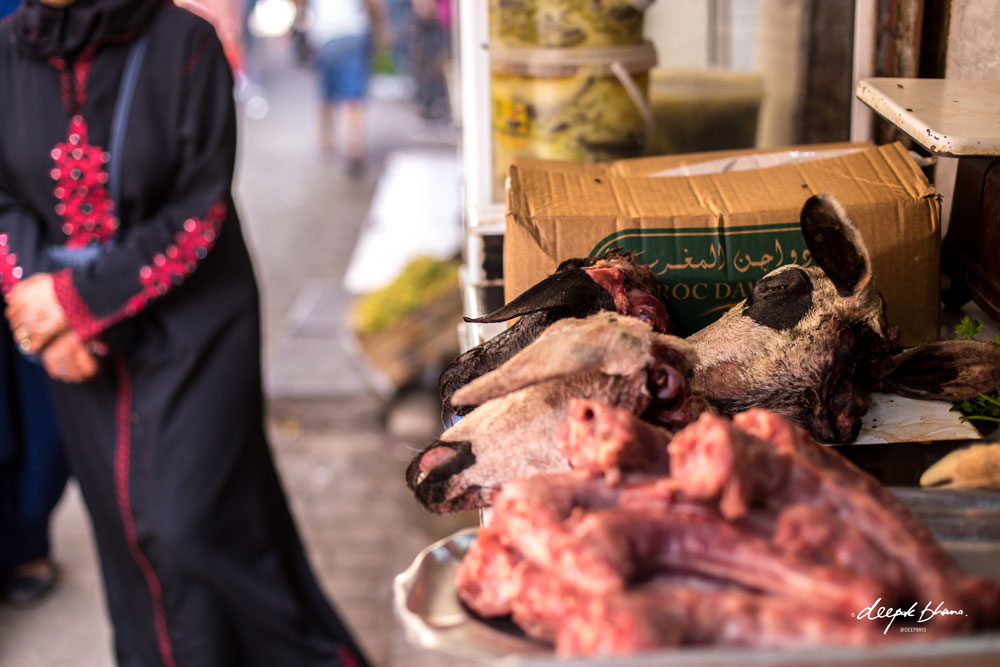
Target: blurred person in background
pixel 400 14
pixel 32 467
pixel 32 477
pixel 429 49
pixel 124 269
pixel 342 34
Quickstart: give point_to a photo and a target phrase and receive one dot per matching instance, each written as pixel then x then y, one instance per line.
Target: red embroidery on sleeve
pixel 10 272
pixel 169 268
pixel 78 313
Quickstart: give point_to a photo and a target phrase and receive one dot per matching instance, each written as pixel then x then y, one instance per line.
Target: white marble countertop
pixel 948 117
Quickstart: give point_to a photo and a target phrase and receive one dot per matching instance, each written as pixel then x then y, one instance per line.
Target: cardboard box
pixel 653 165
pixel 709 237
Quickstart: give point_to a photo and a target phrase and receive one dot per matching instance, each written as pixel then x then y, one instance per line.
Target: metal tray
pixel 966 523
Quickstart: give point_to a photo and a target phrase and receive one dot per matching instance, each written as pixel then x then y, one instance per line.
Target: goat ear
pixel 571 289
pixel 566 348
pixel 836 244
pixel 950 370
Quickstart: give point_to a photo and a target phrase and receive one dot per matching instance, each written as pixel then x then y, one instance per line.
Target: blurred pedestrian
pixel 429 49
pixel 32 468
pixel 125 270
pixel 400 15
pixel 32 477
pixel 341 35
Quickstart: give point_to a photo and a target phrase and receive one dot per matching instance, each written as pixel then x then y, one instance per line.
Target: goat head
pixel 578 288
pixel 811 343
pixel 513 432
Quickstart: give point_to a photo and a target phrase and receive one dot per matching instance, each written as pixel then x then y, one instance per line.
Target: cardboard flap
pixel 877 174
pixel 708 237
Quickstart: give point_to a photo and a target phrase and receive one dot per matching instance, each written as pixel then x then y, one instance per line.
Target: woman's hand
pixel 67 359
pixel 34 313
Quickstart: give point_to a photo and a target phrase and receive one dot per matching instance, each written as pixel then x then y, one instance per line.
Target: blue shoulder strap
pixel 122 112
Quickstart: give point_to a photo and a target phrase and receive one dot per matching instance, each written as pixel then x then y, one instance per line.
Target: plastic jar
pixel 567 23
pixel 569 104
pixel 703 110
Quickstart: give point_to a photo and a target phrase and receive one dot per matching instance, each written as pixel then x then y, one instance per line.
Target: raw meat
pixel 758 537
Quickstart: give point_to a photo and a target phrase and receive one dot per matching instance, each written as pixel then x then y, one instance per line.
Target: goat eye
pixel 780 299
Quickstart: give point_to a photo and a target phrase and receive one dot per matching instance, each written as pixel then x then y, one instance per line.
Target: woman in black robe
pixel 127 273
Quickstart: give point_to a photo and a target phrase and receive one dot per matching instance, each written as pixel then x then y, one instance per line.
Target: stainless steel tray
pixel 966 523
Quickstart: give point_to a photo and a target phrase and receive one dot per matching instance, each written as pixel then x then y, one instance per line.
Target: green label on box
pixel 704 272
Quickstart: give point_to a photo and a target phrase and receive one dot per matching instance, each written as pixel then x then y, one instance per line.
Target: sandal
pixel 28 583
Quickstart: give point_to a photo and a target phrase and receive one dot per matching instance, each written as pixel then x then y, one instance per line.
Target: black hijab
pixel 42 31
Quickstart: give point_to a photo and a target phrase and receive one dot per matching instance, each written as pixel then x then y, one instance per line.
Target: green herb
pixel 985 407
pixel 968 328
pixel 420 281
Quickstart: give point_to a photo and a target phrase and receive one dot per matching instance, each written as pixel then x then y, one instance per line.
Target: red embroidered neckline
pixel 79 172
pixel 80 176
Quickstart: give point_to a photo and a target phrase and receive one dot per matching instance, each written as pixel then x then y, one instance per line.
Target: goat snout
pixel 434 458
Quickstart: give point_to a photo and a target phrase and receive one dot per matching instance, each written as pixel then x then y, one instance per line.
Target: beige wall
pixel 973 53
pixel 974 40
pixel 779 59
pixel 679 30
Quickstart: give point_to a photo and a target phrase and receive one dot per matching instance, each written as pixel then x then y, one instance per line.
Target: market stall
pixel 722 408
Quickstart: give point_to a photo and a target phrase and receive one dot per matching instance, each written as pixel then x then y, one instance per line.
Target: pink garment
pixel 227 17
pixel 444 14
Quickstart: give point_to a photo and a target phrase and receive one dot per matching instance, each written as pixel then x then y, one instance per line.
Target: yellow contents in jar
pixel 587 117
pixel 566 23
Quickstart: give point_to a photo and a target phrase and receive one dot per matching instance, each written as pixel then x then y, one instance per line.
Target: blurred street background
pixel 341 446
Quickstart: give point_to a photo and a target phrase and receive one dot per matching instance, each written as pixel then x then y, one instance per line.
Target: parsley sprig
pixel 985 407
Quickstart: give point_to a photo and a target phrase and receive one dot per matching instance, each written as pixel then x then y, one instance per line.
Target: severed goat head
pixel 811 343
pixel 615 359
pixel 578 288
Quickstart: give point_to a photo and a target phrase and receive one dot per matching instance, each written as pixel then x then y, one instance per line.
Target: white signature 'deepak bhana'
pixel 875 612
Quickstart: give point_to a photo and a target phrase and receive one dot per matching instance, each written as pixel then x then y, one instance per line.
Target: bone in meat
pixel 676 611
pixel 485 581
pixel 798 557
pixel 596 437
pixel 828 481
pixel 605 548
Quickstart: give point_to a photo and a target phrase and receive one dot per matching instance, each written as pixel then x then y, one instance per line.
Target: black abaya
pixel 201 561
